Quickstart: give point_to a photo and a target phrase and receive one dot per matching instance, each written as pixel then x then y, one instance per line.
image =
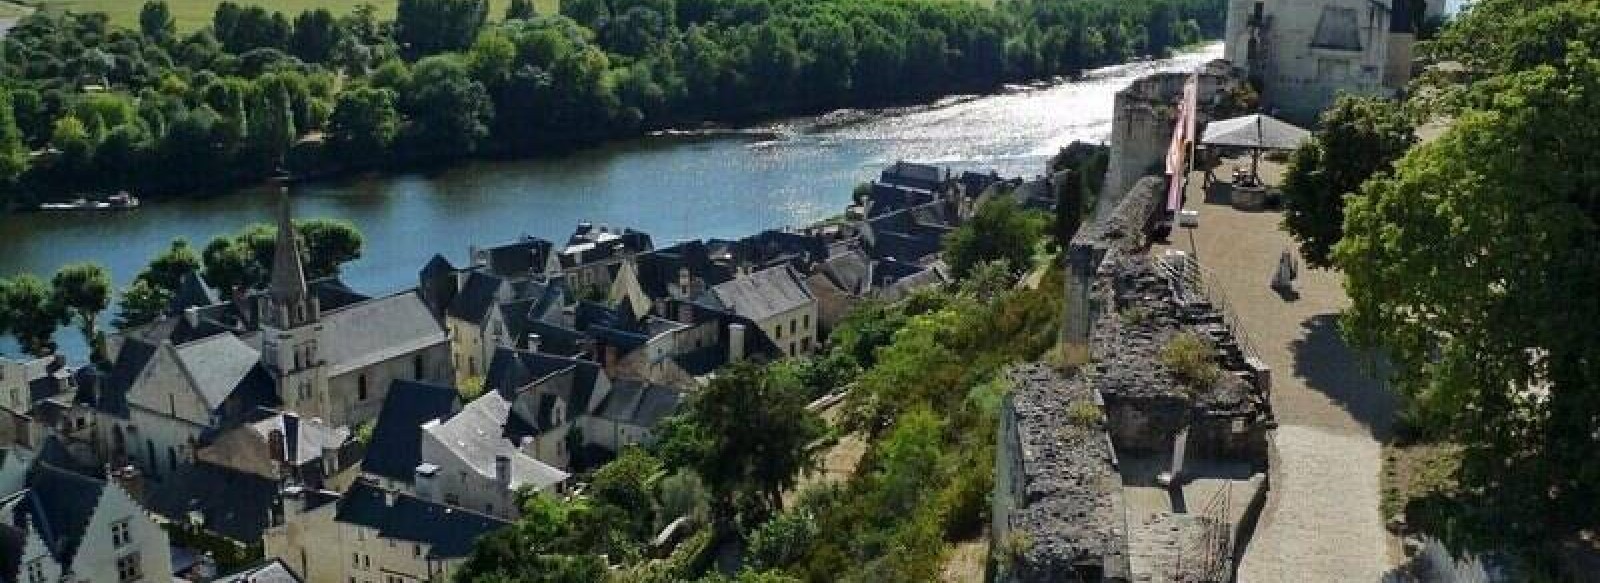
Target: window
pixel 779 335
pixel 806 321
pixel 36 571
pixel 416 550
pixel 128 568
pixel 791 349
pixel 361 387
pixel 121 534
pixel 355 560
pixel 792 326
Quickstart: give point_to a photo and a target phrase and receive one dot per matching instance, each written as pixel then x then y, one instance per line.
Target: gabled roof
pixel 850 271
pixel 658 270
pixel 303 439
pixel 639 404
pixel 396 446
pixel 448 531
pixel 913 175
pixel 192 292
pixel 333 294
pixel 553 338
pixel 234 504
pixel 273 571
pixel 218 366
pixel 478 295
pixel 377 330
pixel 763 294
pixel 62 503
pixel 523 257
pixel 478 435
pixel 437 265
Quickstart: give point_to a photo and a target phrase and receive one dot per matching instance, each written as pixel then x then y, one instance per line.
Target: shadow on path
pixel 1349 379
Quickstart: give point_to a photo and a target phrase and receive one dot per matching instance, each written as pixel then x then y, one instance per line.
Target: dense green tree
pixel 316 32
pixel 450 110
pixel 84 291
pixel 31 313
pixel 1000 230
pixel 329 244
pixel 748 435
pixel 243 28
pixel 152 289
pixel 626 484
pixel 540 547
pixel 156 22
pixel 520 10
pixel 1471 265
pixel 363 126
pixel 429 27
pixel 13 152
pixel 1358 137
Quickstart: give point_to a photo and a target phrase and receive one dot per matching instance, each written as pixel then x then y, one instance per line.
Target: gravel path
pixel 1322 521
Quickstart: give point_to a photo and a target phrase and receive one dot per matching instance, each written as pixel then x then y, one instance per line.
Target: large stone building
pixel 1301 54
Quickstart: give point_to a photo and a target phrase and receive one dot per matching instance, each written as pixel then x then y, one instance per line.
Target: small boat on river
pixel 118 201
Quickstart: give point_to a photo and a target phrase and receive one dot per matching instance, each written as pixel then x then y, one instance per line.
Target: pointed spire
pixel 288 285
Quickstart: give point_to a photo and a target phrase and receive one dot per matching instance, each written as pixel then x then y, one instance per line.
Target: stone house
pixel 372 534
pixel 629 414
pixel 777 300
pixel 593 256
pixel 1301 55
pixel 62 526
pixel 480 459
pixel 286 449
pixel 36 400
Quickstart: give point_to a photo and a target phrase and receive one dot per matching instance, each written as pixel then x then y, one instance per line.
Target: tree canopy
pixel 1357 138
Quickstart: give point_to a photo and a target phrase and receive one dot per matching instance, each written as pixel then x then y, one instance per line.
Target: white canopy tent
pixel 1255 132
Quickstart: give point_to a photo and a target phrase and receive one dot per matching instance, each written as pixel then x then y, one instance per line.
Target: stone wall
pixel 1141 125
pixel 1058 509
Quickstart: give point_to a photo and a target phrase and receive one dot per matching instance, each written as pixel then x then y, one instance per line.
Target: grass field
pixel 194 14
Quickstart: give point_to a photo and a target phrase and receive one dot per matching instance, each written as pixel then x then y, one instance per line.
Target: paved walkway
pixel 1322 522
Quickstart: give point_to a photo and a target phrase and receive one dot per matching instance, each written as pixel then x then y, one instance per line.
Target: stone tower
pixel 291 325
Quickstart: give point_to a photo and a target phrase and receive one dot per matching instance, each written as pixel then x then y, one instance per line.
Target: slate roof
pixel 234 504
pixel 396 446
pixel 273 571
pixel 553 338
pixel 511 371
pixel 192 292
pixel 589 245
pixel 914 175
pixel 910 235
pixel 516 259
pixel 887 198
pixel 763 294
pixel 448 531
pixel 850 271
pixel 437 265
pixel 658 270
pixel 333 294
pixel 62 503
pixel 303 439
pixel 639 404
pixel 480 293
pixel 218 366
pixel 377 330
pixel 111 396
pixel 477 435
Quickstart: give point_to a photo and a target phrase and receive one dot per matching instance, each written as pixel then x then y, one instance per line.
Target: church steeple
pixel 290 304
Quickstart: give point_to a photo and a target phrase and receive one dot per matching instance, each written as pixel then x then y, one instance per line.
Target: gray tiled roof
pixel 62 502
pixel 763 294
pixel 303 439
pixel 396 446
pixel 639 404
pixel 218 365
pixel 477 436
pixel 478 294
pixel 273 571
pixel 378 330
pixel 448 531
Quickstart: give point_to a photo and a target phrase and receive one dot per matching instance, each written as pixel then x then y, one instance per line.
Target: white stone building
pixel 62 527
pixel 1302 54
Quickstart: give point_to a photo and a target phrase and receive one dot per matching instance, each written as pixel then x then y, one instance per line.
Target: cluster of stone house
pixel 373 438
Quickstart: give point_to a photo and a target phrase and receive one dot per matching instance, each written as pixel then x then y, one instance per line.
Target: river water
pixel 731 185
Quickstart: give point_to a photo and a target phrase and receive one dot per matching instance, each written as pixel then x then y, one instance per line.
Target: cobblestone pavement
pixel 1322 521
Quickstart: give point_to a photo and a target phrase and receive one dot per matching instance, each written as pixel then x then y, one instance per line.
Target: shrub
pixel 1083 414
pixel 1189 357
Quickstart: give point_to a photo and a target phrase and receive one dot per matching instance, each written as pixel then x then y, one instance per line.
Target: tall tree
pixel 31 313
pixel 520 10
pixel 315 34
pixel 1474 266
pixel 13 152
pixel 429 27
pixel 748 435
pixel 156 22
pixel 1001 230
pixel 152 289
pixel 84 291
pixel 363 126
pixel 450 110
pixel 1357 138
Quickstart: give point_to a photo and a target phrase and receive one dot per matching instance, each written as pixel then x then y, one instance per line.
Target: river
pixel 674 188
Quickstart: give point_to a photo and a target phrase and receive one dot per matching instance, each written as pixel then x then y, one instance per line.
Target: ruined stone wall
pixel 1141 124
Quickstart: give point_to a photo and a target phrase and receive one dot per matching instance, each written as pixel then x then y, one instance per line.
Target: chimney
pixel 191 315
pixel 533 342
pixel 423 482
pixel 389 497
pixel 735 342
pixel 502 470
pixel 685 281
pixel 330 461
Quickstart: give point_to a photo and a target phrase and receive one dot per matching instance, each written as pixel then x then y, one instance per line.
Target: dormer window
pixel 121 534
pixel 36 571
